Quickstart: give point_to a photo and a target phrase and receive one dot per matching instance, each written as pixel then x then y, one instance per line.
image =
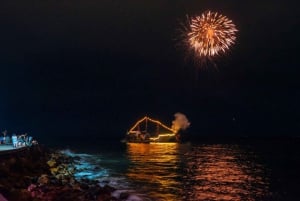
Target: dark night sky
pixel 91 68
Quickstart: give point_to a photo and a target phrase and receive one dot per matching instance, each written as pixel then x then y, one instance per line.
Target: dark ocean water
pixel 244 170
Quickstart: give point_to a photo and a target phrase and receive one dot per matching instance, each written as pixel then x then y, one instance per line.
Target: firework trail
pixel 209 34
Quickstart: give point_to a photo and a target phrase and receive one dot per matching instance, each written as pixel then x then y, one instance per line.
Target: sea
pixel 237 170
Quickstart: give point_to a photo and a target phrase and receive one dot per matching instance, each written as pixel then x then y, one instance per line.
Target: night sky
pixel 90 68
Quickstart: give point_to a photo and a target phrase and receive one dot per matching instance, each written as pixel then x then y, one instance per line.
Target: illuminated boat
pixel 148 130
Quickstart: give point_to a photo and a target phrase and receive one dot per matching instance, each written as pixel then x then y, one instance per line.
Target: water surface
pixel 201 171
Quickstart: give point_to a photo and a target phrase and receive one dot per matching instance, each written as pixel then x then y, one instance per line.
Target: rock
pixel 134 198
pixel 39 175
pixel 12 161
pixel 76 187
pixel 2 198
pixel 108 188
pixel 105 197
pixel 54 170
pixel 43 179
pixel 51 163
pixel 84 186
pixel 124 195
pixel 19 195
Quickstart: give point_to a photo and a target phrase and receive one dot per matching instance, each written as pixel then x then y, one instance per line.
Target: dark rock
pixel 43 179
pixel 84 186
pixel 124 195
pixel 105 197
pixel 28 175
pixel 108 188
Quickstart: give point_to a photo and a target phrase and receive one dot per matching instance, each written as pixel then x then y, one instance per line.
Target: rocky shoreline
pixel 41 174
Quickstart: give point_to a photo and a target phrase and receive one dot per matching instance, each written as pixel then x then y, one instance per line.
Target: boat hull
pixel 162 138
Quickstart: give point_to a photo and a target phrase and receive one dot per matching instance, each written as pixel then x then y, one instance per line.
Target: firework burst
pixel 209 34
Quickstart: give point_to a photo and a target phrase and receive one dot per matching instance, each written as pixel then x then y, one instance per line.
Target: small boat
pixel 155 133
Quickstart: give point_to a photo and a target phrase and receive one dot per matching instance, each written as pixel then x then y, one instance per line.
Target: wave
pixel 89 166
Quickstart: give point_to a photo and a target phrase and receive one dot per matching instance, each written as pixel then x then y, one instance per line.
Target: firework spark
pixel 210 34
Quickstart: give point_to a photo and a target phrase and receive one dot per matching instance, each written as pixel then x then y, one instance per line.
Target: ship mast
pixel 146 129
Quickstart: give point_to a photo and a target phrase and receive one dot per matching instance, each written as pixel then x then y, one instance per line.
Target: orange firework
pixel 210 34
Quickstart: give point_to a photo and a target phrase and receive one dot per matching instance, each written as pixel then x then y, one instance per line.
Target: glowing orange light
pixel 210 34
pixel 154 139
pixel 152 120
pixel 144 156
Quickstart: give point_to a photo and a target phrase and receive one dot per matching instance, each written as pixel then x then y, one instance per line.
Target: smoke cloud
pixel 180 122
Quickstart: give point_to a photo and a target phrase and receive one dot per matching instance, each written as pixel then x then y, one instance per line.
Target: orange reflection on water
pixel 155 165
pixel 224 173
pixel 188 173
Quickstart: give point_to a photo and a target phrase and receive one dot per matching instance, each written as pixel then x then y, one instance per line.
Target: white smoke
pixel 180 122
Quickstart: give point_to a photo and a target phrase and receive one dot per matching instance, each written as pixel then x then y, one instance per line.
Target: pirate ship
pixel 148 130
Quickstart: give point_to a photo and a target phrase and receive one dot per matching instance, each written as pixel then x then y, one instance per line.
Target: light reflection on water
pixel 204 172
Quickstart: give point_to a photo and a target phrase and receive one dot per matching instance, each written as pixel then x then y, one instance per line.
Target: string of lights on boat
pixel 153 121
